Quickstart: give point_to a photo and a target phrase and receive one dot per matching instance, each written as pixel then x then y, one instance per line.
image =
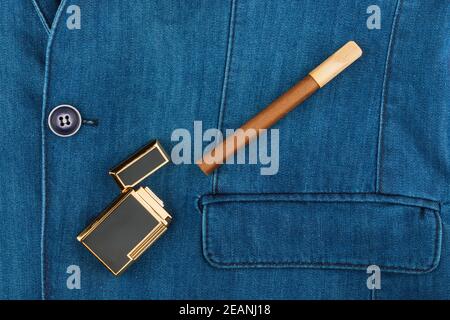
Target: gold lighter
pixel 134 220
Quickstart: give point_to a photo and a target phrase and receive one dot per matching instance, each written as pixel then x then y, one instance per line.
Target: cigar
pixel 296 95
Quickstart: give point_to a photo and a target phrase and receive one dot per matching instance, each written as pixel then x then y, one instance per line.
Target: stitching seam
pixel 41 17
pixel 230 42
pixel 383 99
pixel 43 153
pixel 323 198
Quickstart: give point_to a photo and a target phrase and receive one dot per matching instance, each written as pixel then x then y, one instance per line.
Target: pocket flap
pixel 344 231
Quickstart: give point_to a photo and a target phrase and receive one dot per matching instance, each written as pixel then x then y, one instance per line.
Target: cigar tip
pixel 336 63
pixel 354 48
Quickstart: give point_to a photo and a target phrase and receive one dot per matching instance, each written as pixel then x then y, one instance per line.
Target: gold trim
pixel 158 212
pixel 149 197
pixel 142 246
pixel 154 196
pixel 106 265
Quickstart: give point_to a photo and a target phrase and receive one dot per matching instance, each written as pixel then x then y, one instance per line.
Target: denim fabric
pixel 364 164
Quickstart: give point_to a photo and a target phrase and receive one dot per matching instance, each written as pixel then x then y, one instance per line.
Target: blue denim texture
pixel 364 174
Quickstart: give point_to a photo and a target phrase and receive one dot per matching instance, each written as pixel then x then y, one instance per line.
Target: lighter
pixel 135 220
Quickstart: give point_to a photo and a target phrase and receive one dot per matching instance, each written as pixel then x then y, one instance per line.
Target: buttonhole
pixel 90 122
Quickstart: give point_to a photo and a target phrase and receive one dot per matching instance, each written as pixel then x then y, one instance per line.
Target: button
pixel 64 120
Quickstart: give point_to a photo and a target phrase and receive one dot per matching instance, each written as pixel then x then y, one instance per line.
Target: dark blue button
pixel 64 120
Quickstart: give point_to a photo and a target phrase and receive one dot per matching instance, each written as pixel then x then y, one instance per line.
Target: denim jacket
pixel 364 164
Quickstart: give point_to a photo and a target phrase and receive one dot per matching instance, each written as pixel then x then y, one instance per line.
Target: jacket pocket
pixel 339 231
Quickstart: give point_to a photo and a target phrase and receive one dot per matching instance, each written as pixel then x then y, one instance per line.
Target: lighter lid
pixel 140 165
